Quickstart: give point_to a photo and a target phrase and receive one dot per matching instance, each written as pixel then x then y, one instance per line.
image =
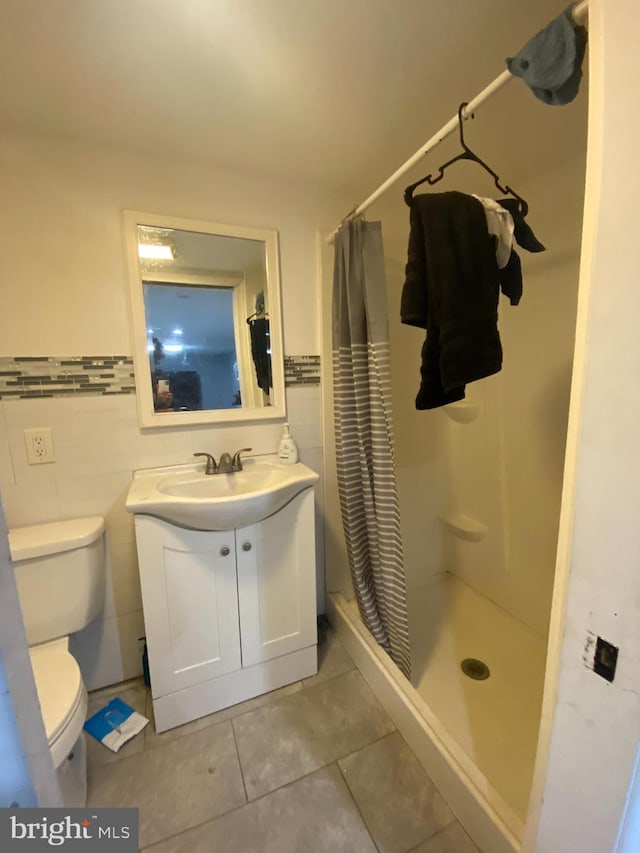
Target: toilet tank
pixel 60 575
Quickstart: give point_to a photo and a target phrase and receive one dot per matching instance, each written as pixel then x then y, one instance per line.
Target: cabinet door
pixel 277 582
pixel 189 593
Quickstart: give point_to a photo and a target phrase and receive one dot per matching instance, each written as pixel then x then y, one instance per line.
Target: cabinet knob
pixel 246 546
pixel 225 551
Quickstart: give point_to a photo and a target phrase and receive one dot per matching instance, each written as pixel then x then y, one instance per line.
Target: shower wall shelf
pixel 463 412
pixel 464 526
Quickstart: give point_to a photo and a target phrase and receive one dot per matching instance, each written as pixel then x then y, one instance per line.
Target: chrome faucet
pixel 211 468
pixel 227 463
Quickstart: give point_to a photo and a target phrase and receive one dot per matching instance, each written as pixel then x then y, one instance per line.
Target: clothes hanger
pixel 467 154
pixel 259 313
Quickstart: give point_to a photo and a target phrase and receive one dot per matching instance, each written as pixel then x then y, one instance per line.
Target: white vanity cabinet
pixel 228 614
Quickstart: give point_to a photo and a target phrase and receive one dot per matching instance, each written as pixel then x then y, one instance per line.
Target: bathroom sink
pixel 252 479
pixel 185 495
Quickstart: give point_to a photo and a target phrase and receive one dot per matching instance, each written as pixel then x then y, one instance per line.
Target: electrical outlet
pixel 600 656
pixel 39 445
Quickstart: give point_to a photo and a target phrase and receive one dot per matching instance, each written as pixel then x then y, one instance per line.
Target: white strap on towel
pixel 500 224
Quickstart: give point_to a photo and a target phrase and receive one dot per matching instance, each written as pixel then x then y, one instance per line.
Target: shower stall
pixel 479 490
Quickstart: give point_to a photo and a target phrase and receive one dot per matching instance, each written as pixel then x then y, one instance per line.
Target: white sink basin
pixel 185 495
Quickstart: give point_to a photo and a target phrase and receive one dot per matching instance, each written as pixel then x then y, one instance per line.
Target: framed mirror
pixel 206 322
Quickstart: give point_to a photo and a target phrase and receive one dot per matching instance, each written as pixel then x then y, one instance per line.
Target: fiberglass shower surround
pixel 479 491
pixel 462 306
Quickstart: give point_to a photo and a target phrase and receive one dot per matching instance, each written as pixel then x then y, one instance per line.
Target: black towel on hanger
pixel 451 290
pixel 259 351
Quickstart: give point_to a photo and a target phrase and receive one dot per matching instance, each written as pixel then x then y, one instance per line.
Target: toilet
pixel 60 575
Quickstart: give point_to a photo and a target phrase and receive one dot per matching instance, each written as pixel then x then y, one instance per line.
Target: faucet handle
pixel 211 468
pixel 237 462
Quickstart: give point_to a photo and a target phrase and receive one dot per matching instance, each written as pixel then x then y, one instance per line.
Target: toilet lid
pixel 58 682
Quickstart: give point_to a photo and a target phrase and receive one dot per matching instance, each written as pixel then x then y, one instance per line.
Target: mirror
pixel 205 311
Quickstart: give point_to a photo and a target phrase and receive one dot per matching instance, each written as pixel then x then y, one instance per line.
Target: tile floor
pixel 316 767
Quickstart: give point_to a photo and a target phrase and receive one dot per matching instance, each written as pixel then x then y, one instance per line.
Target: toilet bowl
pixel 59 570
pixel 63 702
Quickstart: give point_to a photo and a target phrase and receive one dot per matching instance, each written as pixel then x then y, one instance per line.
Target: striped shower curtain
pixel 364 437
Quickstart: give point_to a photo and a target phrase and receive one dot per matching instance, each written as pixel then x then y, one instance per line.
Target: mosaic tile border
pixel 27 376
pixel 301 370
pixel 30 376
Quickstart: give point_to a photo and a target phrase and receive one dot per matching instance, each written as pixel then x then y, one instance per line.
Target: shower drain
pixel 475 669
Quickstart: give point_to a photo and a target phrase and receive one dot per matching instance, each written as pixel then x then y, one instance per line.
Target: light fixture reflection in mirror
pixel 205 309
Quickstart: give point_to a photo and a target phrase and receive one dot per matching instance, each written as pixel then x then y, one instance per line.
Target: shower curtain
pixel 364 437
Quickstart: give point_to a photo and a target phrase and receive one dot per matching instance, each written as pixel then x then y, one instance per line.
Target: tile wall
pixel 61 376
pixel 302 370
pixel 98 444
pixel 105 375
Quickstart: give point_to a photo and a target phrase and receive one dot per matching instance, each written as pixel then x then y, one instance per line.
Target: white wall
pixel 64 293
pixel 594 726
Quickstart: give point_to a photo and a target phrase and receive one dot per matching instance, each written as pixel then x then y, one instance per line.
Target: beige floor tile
pixel 452 840
pixel 288 739
pixel 152 739
pixel 316 814
pixel 134 693
pixel 333 659
pixel 396 798
pixel 176 786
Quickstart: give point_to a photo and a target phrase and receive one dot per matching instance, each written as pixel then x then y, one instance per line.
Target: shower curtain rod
pixel 578 11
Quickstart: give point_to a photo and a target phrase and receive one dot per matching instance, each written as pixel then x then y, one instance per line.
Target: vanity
pixel 227 569
pixel 226 553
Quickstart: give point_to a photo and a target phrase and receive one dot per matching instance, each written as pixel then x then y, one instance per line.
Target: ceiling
pixel 202 252
pixel 331 92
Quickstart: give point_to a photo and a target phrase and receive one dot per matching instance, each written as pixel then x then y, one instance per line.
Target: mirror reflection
pixel 192 347
pixel 204 298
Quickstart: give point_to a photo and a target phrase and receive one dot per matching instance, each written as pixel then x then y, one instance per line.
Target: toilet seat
pixel 62 695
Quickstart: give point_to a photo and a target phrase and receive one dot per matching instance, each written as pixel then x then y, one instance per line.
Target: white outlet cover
pixel 39 443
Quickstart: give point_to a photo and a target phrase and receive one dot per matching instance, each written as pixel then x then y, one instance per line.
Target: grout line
pixel 367 745
pixel 356 804
pixel 440 832
pixel 175 738
pixel 314 770
pixel 267 793
pixel 214 723
pixel 265 704
pixel 235 742
pixel 274 790
pixel 325 680
pixel 318 684
pixel 242 805
pixel 430 780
